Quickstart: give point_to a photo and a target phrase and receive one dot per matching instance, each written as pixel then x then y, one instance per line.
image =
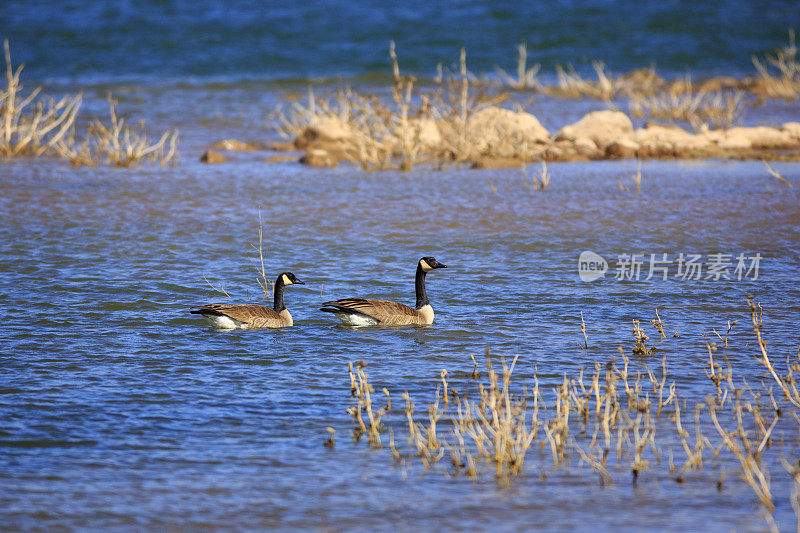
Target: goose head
pixel 429 263
pixel 289 279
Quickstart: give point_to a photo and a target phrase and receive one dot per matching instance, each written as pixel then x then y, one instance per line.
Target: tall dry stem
pixel 33 131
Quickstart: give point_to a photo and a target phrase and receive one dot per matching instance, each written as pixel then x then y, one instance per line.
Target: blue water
pixel 122 411
pixel 202 39
pixel 119 410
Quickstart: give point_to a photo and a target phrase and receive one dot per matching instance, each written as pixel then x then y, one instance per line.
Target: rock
pixel 655 150
pixel 758 137
pixel 793 129
pixel 282 159
pixel 232 145
pixel 324 131
pixel 769 138
pixel 210 156
pixel 622 149
pixel 499 132
pixel 281 147
pixel 554 153
pixel 668 141
pixel 733 139
pixel 585 146
pixel 484 162
pixel 319 158
pixel 720 83
pixel 425 131
pixel 602 127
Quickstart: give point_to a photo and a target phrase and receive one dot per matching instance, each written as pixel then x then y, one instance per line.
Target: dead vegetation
pixel 119 145
pixel 778 73
pixel 257 265
pixel 617 422
pixel 457 119
pixel 414 125
pixel 30 127
pixel 700 108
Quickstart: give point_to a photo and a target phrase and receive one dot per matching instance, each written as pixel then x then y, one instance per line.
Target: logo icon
pixel 591 266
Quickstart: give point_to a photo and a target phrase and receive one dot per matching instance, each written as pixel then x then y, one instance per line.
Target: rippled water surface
pixel 202 39
pixel 120 409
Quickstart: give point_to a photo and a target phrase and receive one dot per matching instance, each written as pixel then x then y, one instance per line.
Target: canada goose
pixel 249 316
pixel 370 312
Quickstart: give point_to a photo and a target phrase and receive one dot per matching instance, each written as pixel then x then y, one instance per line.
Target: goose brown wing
pixel 382 310
pixel 242 312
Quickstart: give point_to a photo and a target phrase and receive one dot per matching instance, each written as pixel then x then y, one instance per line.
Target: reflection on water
pixel 122 410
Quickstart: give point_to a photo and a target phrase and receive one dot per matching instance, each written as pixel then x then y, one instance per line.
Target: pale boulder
pixel 732 139
pixel 769 138
pixel 585 146
pixel 319 158
pixel 325 131
pixel 212 157
pixel 622 149
pixel 424 131
pixel 233 145
pixel 758 137
pixel 668 141
pixel 792 129
pixel 504 133
pixel 602 127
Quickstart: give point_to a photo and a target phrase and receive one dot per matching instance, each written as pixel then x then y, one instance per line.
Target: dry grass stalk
pixel 725 339
pixel 787 384
pixel 261 273
pixel 637 178
pixel 35 131
pixel 573 85
pixel 541 180
pixel 786 81
pixel 777 175
pixel 590 417
pixel 363 393
pixel 526 77
pixel 219 289
pixel 398 133
pixel 331 442
pixel 794 471
pixel 583 330
pixel 657 323
pixel 741 446
pixel 715 109
pixel 119 145
pixel 640 346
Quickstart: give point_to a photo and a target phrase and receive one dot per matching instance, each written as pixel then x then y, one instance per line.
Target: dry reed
pixel 699 108
pixel 775 174
pixel 28 126
pixel 415 125
pixel 119 145
pixel 261 273
pixel 526 77
pixel 785 82
pixel 612 412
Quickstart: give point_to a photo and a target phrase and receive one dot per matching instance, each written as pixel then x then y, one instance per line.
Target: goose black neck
pixel 422 296
pixel 278 306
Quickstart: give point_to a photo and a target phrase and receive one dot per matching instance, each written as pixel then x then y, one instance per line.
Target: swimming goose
pixel 371 312
pixel 249 316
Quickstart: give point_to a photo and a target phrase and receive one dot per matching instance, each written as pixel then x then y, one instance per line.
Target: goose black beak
pixel 440 265
pixel 298 282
